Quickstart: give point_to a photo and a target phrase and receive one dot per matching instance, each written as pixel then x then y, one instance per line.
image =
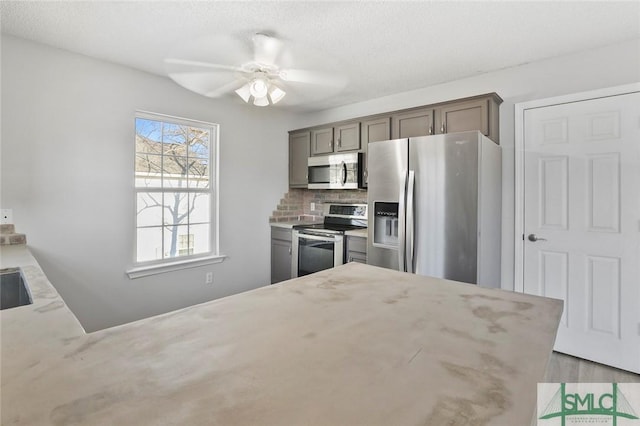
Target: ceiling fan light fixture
pixel 259 87
pixel 244 92
pixel 276 94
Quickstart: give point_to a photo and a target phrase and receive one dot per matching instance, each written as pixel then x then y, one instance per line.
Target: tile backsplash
pixel 8 235
pixel 296 204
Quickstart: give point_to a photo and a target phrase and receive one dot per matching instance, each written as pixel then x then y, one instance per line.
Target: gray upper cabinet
pixel 342 137
pixel 374 130
pixel 413 123
pixel 476 114
pixel 322 141
pixel 473 113
pixel 299 143
pixel 347 137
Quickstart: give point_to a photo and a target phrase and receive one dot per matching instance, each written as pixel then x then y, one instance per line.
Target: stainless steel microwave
pixel 336 171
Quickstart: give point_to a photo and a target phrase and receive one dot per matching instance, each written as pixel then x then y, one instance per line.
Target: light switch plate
pixel 6 216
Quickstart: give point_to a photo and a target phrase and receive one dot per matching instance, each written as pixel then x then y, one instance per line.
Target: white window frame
pixel 142 269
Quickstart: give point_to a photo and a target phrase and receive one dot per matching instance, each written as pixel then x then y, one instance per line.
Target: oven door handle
pixel 317 237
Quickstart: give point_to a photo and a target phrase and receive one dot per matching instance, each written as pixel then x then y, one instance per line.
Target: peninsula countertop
pixel 353 345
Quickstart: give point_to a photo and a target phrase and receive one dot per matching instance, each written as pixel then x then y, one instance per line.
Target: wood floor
pixel 568 369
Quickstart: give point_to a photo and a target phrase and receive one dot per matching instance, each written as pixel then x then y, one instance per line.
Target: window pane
pixel 148 171
pixel 200 240
pixel 199 140
pixel 149 244
pixel 175 139
pixel 173 157
pixel 148 135
pixel 200 206
pixel 176 241
pixel 176 208
pixel 149 209
pixel 198 173
pixel 175 172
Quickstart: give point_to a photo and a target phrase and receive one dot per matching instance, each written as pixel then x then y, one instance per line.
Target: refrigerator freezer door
pixel 388 164
pixel 445 205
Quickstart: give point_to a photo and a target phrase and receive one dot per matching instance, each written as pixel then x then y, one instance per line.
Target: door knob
pixel 534 238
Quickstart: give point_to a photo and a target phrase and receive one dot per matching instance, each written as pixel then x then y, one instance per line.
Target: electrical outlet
pixel 6 216
pixel 208 278
pixel 313 206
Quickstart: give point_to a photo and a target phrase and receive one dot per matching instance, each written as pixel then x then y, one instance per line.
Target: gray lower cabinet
pixel 299 143
pixel 356 249
pixel 280 254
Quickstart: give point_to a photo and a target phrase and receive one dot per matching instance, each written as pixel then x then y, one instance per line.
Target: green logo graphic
pixel 614 405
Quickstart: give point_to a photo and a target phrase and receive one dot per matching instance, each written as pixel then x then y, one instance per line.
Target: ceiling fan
pixel 262 77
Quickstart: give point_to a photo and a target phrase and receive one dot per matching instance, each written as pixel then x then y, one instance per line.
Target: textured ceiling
pixel 381 47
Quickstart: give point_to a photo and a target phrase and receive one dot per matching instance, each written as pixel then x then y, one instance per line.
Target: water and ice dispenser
pixel 385 225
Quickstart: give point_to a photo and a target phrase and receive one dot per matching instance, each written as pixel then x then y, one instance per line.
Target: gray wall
pixel 594 69
pixel 67 173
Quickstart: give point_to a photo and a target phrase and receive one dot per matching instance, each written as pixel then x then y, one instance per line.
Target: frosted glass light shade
pixel 244 92
pixel 263 101
pixel 276 94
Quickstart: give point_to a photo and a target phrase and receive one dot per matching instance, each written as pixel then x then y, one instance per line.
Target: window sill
pixel 144 271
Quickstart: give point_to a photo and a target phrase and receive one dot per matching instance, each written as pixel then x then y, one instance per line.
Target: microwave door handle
pixel 344 173
pixel 402 219
pixel 410 234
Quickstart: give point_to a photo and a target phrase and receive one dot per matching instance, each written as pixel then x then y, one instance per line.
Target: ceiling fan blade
pixel 204 83
pixel 200 64
pixel 313 77
pixel 266 49
pixel 222 90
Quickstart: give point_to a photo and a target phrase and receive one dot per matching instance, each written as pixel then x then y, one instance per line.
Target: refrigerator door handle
pixel 410 233
pixel 402 221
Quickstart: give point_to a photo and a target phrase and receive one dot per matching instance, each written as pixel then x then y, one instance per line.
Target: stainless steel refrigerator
pixel 435 206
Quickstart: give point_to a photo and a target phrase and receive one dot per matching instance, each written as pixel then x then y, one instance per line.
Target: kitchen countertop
pixel 357 233
pixel 291 224
pixel 351 345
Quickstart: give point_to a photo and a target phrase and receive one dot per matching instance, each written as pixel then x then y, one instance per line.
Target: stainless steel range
pixel 321 246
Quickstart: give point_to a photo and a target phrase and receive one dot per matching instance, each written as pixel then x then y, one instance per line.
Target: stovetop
pixel 332 227
pixel 339 218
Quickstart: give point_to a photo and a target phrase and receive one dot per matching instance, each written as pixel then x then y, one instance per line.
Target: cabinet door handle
pixel 443 128
pixel 331 144
pixel 339 142
pixel 289 250
pixel 430 130
pixel 350 258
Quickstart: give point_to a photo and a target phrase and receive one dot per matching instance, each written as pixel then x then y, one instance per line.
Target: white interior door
pixel 582 203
